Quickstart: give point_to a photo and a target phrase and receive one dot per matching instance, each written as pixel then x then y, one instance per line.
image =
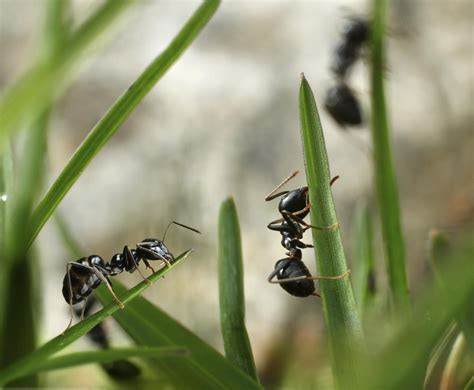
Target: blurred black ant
pixel 343 106
pixel 87 273
pixel 340 101
pixel 346 53
pixel 294 277
pixel 117 369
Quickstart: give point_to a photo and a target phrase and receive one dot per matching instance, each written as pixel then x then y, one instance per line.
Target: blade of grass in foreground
pixel 384 172
pixel 118 113
pixel 37 358
pixel 205 368
pixel 231 290
pixel 38 87
pixel 340 311
pixel 107 356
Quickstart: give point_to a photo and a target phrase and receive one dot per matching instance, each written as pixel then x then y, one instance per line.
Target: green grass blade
pixel 36 358
pixel 37 88
pixel 107 356
pixel 205 368
pixel 469 384
pixel 364 273
pixel 231 290
pixel 75 249
pixel 117 114
pixel 384 171
pixel 340 311
pixel 440 254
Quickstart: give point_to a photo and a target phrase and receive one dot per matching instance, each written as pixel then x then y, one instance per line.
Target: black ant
pixel 343 106
pixel 292 274
pixel 294 277
pixel 87 273
pixel 354 36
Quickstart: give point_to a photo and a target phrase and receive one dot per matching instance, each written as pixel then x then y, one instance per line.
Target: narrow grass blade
pixel 231 291
pixel 107 356
pixel 75 249
pixel 205 368
pixel 37 88
pixel 117 114
pixel 340 311
pixel 384 171
pixel 364 274
pixel 37 358
pixel 440 255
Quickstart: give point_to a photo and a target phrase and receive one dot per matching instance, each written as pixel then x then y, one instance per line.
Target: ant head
pixel 153 249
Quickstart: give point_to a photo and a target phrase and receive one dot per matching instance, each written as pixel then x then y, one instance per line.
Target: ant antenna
pixel 179 224
pixel 269 196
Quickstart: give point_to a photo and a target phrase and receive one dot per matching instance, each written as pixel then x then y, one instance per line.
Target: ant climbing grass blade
pixel 205 368
pixel 27 364
pixel 340 311
pixel 231 290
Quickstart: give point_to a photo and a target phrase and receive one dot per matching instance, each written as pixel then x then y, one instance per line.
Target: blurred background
pixel 224 120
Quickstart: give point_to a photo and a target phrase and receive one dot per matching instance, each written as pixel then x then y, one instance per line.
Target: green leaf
pixel 118 113
pixel 340 312
pixel 107 356
pixel 384 171
pixel 231 291
pixel 205 368
pixel 30 362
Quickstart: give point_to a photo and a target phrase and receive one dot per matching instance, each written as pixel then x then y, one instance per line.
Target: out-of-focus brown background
pixel 224 120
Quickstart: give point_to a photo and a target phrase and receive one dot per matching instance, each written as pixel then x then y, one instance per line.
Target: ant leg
pixel 128 256
pixel 83 308
pixel 272 194
pixel 297 220
pixel 69 283
pixel 147 265
pixel 343 275
pixel 109 286
pixel 296 278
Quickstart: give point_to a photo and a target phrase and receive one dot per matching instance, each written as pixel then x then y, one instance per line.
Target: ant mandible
pixel 87 273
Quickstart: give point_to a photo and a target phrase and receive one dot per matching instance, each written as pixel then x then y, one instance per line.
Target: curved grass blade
pixel 37 88
pixel 205 368
pixel 118 113
pixel 384 172
pixel 340 311
pixel 107 356
pixel 231 291
pixel 36 358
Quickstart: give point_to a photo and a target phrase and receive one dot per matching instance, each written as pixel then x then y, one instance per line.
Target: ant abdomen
pixel 290 268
